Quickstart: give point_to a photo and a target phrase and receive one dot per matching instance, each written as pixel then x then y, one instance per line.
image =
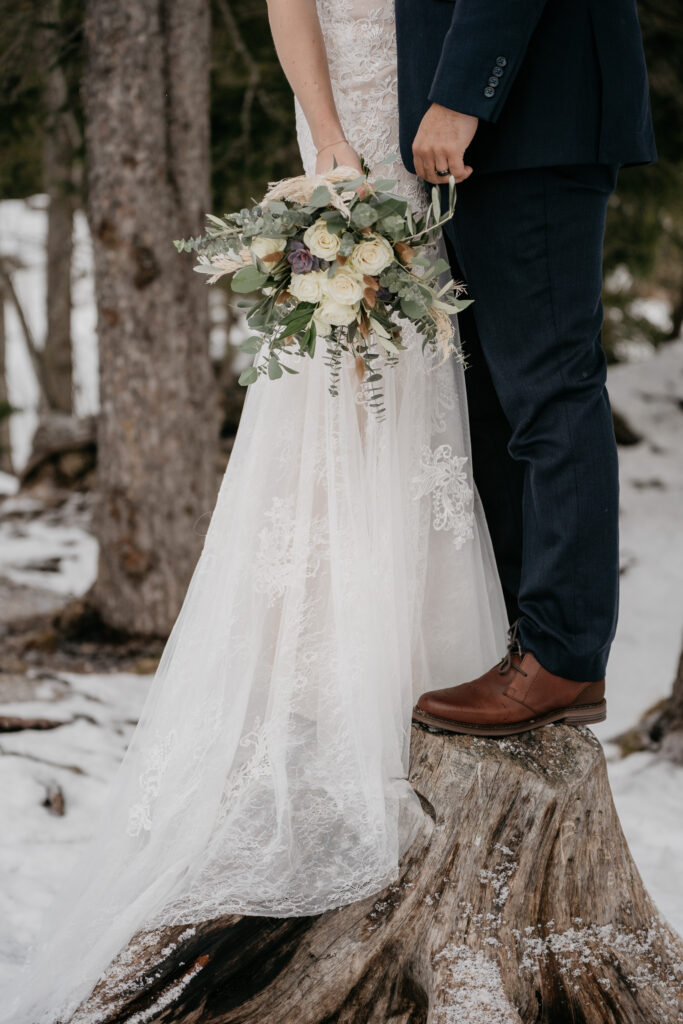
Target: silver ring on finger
pixel 443 174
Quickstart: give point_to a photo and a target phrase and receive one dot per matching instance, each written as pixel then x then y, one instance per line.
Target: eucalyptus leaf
pixel 393 226
pixel 413 310
pixel 351 184
pixel 379 328
pixel 248 376
pixel 363 216
pixel 252 344
pixel 391 204
pixel 248 279
pixel 347 245
pixel 390 159
pixel 320 197
pixel 334 220
pixel 384 184
pixel 216 220
pixel 274 368
pixel 388 344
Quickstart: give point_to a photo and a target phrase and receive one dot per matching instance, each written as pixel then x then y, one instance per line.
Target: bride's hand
pixel 341 152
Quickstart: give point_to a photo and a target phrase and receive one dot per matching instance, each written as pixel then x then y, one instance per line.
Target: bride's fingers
pixel 342 154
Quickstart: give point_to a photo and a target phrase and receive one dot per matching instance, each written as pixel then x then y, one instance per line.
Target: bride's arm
pixel 301 49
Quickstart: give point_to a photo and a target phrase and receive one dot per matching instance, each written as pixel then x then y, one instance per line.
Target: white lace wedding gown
pixel 346 569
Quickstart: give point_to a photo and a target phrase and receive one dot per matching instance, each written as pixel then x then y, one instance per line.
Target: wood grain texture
pixel 518 902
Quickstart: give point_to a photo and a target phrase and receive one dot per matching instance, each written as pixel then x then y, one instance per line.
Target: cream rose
pixel 308 287
pixel 322 330
pixel 335 313
pixel 320 242
pixel 261 246
pixel 371 257
pixel 344 287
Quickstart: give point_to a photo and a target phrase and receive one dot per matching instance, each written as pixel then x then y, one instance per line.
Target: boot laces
pixel 514 648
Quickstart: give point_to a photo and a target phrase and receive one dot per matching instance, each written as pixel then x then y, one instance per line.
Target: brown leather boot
pixel 516 695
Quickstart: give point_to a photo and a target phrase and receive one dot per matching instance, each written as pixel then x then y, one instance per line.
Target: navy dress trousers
pixel 560 90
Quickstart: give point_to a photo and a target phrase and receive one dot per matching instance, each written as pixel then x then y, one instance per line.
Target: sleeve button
pixel 494 82
pixel 501 62
pixel 498 72
pixel 489 92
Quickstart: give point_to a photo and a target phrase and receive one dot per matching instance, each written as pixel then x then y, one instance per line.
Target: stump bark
pixel 518 902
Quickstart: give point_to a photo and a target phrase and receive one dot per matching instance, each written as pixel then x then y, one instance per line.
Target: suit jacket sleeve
pixel 482 53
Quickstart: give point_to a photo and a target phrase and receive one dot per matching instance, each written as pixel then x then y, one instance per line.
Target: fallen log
pixel 63 455
pixel 518 902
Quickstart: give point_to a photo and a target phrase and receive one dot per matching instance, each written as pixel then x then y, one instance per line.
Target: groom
pixel 532 106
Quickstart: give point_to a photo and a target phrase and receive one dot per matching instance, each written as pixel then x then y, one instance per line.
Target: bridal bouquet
pixel 335 259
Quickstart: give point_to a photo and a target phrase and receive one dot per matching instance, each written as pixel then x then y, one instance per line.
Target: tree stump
pixel 518 902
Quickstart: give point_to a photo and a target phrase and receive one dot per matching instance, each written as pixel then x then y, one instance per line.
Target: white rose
pixel 336 313
pixel 308 287
pixel 371 257
pixel 322 330
pixel 261 246
pixel 344 287
pixel 320 242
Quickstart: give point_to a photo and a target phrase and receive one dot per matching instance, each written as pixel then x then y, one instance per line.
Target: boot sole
pixel 578 714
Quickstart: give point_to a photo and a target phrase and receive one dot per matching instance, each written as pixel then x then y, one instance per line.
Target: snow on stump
pixel 518 902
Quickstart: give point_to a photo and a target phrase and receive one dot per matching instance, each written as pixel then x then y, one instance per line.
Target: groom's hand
pixel 440 144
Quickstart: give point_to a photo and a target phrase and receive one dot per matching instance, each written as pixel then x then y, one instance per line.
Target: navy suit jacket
pixel 552 81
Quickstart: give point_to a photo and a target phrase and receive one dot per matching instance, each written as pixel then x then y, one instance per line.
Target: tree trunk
pixel 661 728
pixel 60 140
pixel 519 902
pixel 146 97
pixel 668 729
pixel 5 438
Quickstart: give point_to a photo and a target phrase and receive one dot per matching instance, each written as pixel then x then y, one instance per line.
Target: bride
pixel 347 569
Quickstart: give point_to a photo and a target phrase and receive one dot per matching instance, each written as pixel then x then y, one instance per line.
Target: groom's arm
pixel 482 53
pixel 480 57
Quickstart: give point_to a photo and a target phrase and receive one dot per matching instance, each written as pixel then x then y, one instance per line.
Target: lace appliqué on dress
pixel 156 760
pixel 276 562
pixel 442 475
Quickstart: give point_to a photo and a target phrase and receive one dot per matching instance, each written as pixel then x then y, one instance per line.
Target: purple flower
pixel 300 258
pixel 385 295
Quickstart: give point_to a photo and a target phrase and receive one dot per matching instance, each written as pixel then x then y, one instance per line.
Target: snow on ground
pixel 647 790
pixel 54 551
pixel 650 632
pixel 73 762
